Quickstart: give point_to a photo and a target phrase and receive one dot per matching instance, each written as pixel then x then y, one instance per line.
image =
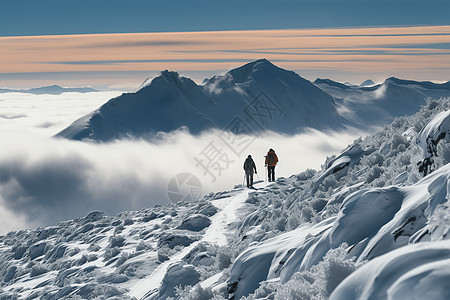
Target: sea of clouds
pixel 44 180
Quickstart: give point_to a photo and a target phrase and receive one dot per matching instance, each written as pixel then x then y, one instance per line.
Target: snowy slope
pixel 265 96
pixel 418 271
pixel 368 225
pixel 378 105
pixel 130 255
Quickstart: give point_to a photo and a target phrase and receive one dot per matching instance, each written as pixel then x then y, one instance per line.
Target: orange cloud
pixel 354 50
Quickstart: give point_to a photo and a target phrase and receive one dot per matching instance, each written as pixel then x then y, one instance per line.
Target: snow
pixel 269 259
pixel 343 162
pixel 178 274
pixel 216 233
pixel 412 272
pixel 430 135
pixel 229 207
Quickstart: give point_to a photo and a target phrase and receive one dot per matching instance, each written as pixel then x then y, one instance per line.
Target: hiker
pixel 271 161
pixel 249 166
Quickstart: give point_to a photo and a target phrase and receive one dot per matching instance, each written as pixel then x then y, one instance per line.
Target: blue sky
pixel 31 17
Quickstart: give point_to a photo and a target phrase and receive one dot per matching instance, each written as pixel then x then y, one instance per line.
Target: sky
pixel 112 44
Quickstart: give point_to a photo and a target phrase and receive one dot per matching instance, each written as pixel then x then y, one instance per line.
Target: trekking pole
pixel 243 181
pixel 265 168
pixel 266 173
pixel 258 177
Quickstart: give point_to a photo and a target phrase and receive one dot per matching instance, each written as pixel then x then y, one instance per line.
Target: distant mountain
pixel 50 90
pixel 379 104
pixel 368 82
pixel 255 97
pixel 330 82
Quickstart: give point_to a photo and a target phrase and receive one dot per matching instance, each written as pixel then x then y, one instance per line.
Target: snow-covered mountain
pixel 51 90
pixel 367 82
pixel 258 96
pixel 262 95
pixel 368 225
pixel 378 105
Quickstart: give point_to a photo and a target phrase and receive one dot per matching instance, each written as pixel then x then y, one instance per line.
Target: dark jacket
pixel 249 164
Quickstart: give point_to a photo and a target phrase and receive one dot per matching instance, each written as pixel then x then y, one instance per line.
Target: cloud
pixel 380 92
pixel 144 43
pixel 12 116
pixel 56 179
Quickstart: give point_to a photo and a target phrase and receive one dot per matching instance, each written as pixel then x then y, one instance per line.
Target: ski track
pixel 216 233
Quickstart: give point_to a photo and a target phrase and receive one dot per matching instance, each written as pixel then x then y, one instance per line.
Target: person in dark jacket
pixel 271 162
pixel 249 167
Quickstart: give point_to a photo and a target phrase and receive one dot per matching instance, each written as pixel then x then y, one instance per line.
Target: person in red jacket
pixel 271 162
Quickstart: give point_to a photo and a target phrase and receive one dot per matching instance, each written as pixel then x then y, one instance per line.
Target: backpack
pixel 271 158
pixel 248 164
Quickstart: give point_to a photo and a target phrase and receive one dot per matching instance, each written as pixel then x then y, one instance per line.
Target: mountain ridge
pixel 50 90
pixel 259 96
pixel 266 96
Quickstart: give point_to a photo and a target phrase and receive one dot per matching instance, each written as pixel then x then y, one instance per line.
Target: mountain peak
pixel 164 76
pixel 260 66
pixel 170 75
pixel 393 80
pixel 368 82
pixel 263 61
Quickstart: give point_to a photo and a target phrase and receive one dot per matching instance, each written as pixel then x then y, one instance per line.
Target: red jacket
pixel 271 158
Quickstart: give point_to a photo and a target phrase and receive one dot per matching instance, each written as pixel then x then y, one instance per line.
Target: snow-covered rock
pixel 268 259
pixel 419 271
pixel 178 275
pixel 196 222
pixel 429 137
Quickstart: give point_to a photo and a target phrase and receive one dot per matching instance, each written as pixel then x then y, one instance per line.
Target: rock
pixel 196 222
